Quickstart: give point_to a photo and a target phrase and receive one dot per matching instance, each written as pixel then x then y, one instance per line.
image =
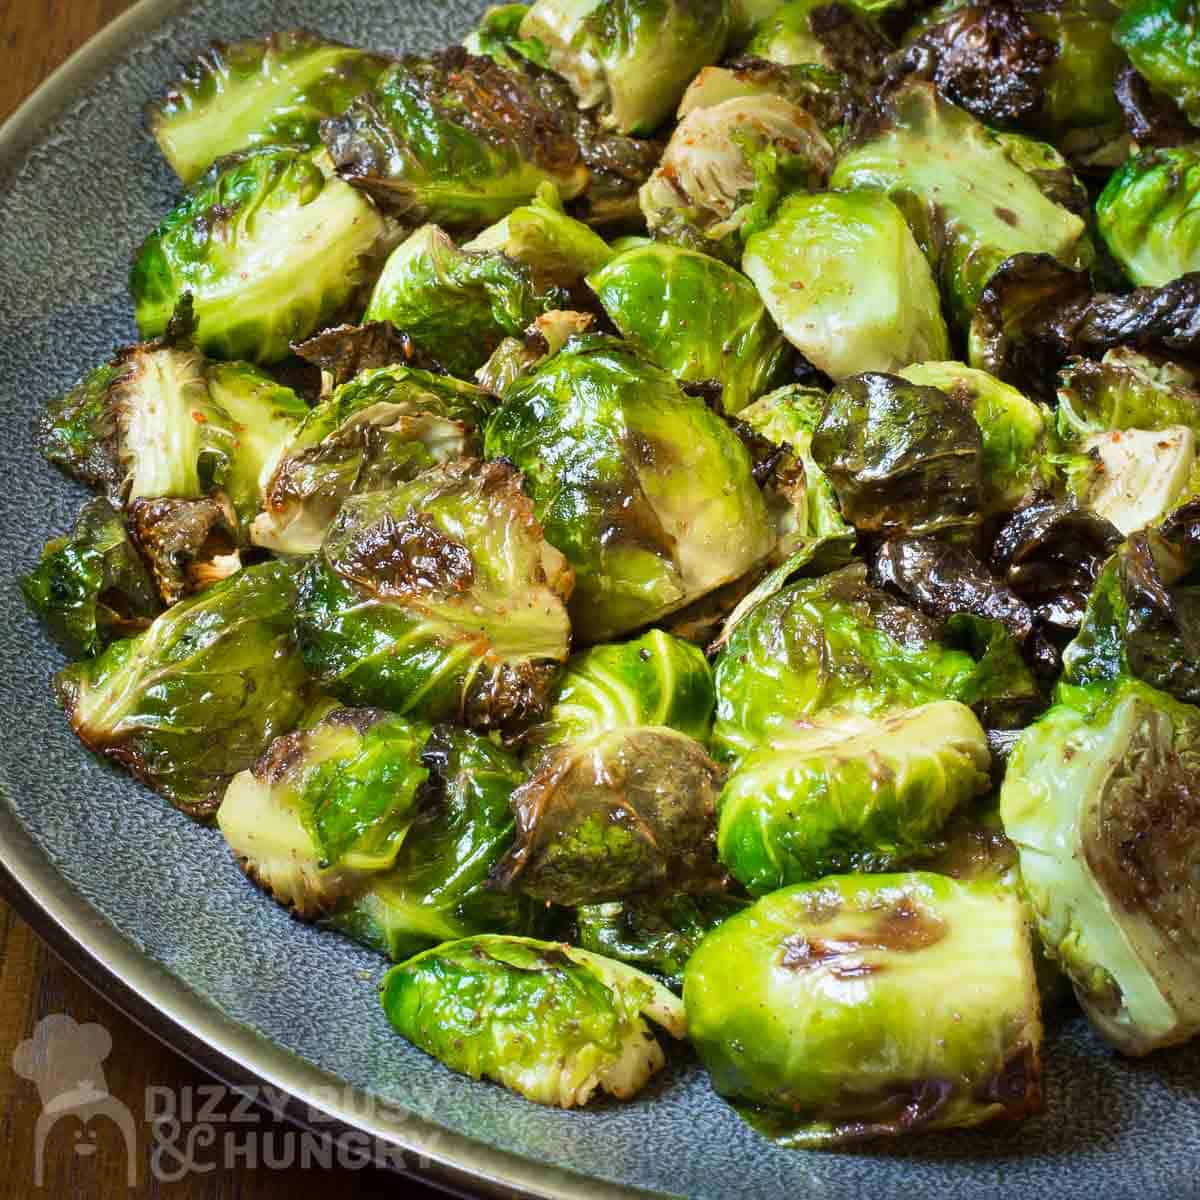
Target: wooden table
pixel 35 36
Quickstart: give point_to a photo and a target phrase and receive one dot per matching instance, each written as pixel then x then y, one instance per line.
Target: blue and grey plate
pixel 151 908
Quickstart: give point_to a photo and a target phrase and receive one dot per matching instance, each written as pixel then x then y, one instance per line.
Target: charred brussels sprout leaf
pixel 616 812
pixel 92 586
pixel 453 139
pixel 327 808
pixel 549 1021
pixel 245 94
pixel 269 247
pixel 456 304
pixel 815 31
pixel 845 281
pixel 657 934
pixel 850 793
pixel 1151 118
pixel 901 456
pixel 969 204
pixel 831 643
pixel 344 351
pixel 636 482
pixel 1162 40
pixel 199 695
pixel 653 680
pixel 462 823
pixel 861 1007
pixel 1014 464
pixel 1149 215
pixel 630 58
pixel 739 146
pixel 695 317
pixel 438 598
pixel 383 428
pixel 515 358
pixel 1101 797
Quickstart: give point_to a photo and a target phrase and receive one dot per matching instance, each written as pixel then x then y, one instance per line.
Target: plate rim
pixel 95 950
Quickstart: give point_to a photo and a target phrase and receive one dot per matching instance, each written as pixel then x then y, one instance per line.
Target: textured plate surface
pixel 160 904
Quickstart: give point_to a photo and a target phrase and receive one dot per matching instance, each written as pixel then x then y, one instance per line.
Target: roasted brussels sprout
pixel 654 680
pixel 455 140
pixel 848 285
pixel 612 813
pixel 92 587
pixel 1149 215
pixel 695 317
pixel 326 808
pixel 863 1006
pixel 833 643
pixel 437 888
pixel 200 694
pixel 970 205
pixel 657 934
pixel 1160 37
pixel 1014 464
pixel 741 143
pixel 850 793
pixel 901 456
pixel 383 428
pixel 814 31
pixel 1101 798
pixel 438 598
pixel 184 444
pixel 636 482
pixel 547 1020
pixel 269 247
pixel 630 58
pixel 275 91
pixel 456 304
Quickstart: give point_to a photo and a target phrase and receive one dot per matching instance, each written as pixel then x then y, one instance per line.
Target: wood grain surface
pixel 90 1161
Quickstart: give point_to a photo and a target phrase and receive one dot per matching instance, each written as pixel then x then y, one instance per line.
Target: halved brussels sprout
pixel 814 31
pixel 969 204
pixel 456 304
pixel 382 428
pixel 615 812
pixel 1160 38
pixel 1100 797
pixel 269 246
pixel 901 456
pixel 437 888
pixel 865 1006
pixel 271 91
pixel 557 249
pixel 199 695
pixel 695 317
pixel 547 1020
pixel 850 793
pixel 631 58
pixel 635 481
pixel 1125 390
pixel 652 680
pixel 92 587
pixel 184 444
pixel 326 808
pixel 832 643
pixel 438 598
pixel 455 140
pixel 657 934
pixel 845 281
pixel 1149 215
pixel 738 147
pixel 1013 427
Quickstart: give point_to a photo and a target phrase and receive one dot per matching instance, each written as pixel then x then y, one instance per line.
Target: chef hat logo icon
pixel 65 1060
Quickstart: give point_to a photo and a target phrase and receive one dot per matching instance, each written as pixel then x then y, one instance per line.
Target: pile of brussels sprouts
pixel 680 517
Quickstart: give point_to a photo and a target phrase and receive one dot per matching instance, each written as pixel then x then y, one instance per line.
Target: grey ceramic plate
pixel 148 905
